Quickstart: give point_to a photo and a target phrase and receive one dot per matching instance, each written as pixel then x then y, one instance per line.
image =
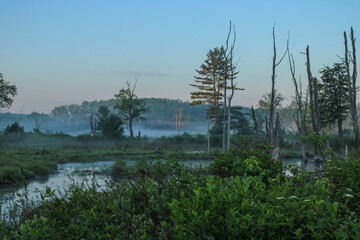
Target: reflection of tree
pixel 178 116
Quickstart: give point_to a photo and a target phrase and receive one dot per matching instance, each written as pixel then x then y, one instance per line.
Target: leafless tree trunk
pixel 276 151
pixel 224 117
pixel 270 126
pixel 352 84
pixel 226 75
pixel 314 107
pixel 231 72
pixel 300 110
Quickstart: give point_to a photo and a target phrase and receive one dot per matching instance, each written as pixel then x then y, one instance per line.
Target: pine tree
pixel 210 83
pixel 333 96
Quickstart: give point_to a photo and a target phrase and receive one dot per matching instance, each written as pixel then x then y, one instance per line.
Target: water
pixel 66 175
pixel 297 162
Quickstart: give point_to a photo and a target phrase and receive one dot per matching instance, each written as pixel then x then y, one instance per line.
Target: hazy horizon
pixel 66 52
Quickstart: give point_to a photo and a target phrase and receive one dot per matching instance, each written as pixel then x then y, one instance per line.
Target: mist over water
pixel 74 129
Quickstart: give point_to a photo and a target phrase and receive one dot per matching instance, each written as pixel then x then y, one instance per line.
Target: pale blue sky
pixel 64 52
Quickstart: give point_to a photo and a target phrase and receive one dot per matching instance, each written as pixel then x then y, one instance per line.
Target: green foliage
pixel 16 166
pixel 7 93
pixel 210 83
pixel 238 160
pixel 129 106
pixel 239 122
pixel 14 128
pixel 338 143
pixel 317 140
pixel 109 124
pixel 333 95
pixel 344 180
pixel 119 169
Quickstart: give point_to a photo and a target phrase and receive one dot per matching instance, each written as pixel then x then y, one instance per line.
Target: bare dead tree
pixel 352 83
pixel 229 74
pixel 301 107
pixel 39 121
pixel 314 107
pixel 225 88
pixel 231 69
pixel 276 151
pixel 275 63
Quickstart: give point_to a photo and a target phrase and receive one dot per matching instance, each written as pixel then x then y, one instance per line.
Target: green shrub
pixel 344 180
pixel 233 163
pixel 119 169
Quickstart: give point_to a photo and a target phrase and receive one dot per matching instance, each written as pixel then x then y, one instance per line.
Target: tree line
pixel 315 109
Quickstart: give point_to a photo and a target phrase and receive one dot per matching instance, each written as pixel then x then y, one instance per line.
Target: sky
pixel 65 52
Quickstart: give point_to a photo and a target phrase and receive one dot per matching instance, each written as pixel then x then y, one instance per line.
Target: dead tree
pixel 226 75
pixel 232 75
pixel 275 63
pixel 229 74
pixel 276 151
pixel 314 107
pixel 352 83
pixel 301 107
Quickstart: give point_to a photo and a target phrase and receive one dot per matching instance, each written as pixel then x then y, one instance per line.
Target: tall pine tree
pixel 210 83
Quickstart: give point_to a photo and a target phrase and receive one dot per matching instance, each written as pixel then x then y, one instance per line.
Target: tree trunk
pixel 314 106
pixel 276 151
pixel 229 126
pixel 224 118
pixel 208 135
pixel 340 130
pixel 131 128
pixel 352 85
pixel 255 123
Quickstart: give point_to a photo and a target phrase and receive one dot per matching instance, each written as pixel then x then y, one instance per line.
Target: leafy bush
pixel 233 163
pixel 344 180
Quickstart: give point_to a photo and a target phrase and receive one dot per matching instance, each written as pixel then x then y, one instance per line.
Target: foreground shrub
pixel 344 180
pixel 166 201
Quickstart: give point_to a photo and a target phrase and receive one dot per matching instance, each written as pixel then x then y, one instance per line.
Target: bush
pixel 13 128
pixel 233 163
pixel 344 180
